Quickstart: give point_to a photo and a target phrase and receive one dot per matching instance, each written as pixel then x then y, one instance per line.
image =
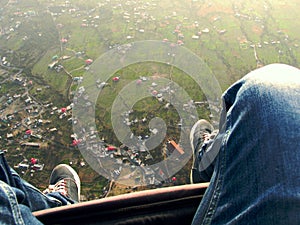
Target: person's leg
pixel 28 194
pixel 19 198
pixel 11 210
pixel 256 179
pixel 33 197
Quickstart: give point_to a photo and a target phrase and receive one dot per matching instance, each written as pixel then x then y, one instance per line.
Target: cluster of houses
pixel 133 160
pixel 23 120
pixel 31 166
pixel 276 39
pixel 137 15
pixel 137 154
pixel 19 16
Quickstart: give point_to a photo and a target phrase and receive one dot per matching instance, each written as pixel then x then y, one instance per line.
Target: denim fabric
pixel 256 177
pixel 19 198
pixel 11 211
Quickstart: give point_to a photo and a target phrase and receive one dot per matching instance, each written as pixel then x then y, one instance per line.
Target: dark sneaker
pixel 65 180
pixel 201 136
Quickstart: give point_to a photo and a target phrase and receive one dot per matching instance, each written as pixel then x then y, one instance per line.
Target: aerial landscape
pixel 96 84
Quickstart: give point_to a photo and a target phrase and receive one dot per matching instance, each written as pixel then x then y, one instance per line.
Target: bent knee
pixel 274 76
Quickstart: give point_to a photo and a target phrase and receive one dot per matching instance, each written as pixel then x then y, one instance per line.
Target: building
pixel 172 145
pixel 31 144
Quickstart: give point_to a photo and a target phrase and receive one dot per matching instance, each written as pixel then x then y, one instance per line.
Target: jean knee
pixel 269 100
pixel 274 77
pixel 267 97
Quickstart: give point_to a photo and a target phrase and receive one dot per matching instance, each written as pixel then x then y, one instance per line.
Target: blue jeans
pixel 18 198
pixel 256 176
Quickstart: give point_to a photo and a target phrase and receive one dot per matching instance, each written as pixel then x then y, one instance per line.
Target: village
pixel 21 119
pixel 137 16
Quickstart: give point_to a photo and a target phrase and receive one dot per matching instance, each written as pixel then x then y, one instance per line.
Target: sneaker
pixel 201 136
pixel 66 181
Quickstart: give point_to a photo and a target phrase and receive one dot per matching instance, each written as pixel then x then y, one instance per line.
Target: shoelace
pixel 205 138
pixel 60 187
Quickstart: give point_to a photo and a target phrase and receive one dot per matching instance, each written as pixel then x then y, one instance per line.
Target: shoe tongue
pixel 207 130
pixel 58 177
